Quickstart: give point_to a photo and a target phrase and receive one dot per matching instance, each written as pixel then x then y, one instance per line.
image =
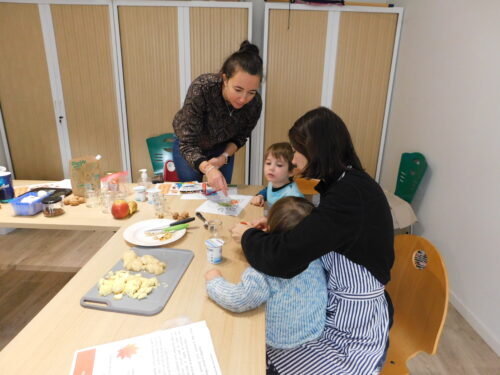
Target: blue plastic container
pixel 27 209
pixel 6 189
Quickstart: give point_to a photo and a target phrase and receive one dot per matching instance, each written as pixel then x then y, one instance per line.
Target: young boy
pixel 278 169
pixel 296 307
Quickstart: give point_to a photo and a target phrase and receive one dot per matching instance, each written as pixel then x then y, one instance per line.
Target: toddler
pixel 296 307
pixel 278 169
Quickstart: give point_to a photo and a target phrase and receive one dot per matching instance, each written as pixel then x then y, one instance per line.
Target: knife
pixel 181 221
pixel 168 229
pixel 173 223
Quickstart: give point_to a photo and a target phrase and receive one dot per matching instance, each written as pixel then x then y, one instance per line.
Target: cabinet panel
pixel 295 59
pixel 84 50
pixel 215 33
pixel 25 95
pixel 364 57
pixel 150 59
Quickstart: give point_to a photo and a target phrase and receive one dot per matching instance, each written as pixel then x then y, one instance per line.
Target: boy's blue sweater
pixel 296 307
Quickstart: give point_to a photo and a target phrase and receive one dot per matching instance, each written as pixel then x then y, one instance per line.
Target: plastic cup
pixel 91 198
pixel 153 194
pixel 214 228
pixel 214 250
pixel 107 199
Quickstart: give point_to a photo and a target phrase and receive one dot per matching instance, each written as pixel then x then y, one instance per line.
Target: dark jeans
pixel 187 173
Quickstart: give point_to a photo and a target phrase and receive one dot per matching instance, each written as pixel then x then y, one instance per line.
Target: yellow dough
pixel 123 282
pixel 148 263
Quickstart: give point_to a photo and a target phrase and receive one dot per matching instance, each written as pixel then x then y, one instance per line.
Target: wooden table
pixel 46 345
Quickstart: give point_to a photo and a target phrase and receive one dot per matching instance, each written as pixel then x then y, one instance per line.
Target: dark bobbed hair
pixel 247 59
pixel 281 150
pixel 322 137
pixel 287 212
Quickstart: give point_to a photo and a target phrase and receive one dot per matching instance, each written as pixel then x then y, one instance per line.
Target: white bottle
pixel 144 179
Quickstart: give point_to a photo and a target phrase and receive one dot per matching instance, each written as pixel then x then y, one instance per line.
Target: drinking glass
pixel 214 228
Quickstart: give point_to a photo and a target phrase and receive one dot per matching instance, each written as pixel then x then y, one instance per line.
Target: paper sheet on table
pixel 230 191
pixel 211 207
pixel 186 350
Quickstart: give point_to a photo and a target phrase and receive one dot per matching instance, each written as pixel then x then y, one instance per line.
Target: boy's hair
pixel 287 212
pixel 282 150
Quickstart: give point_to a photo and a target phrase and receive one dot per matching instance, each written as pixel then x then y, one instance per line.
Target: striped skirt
pixel 357 326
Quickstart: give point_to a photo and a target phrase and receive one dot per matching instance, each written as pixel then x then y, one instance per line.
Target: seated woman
pixel 351 232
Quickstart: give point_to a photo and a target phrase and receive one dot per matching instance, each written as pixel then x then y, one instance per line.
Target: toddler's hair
pixel 282 150
pixel 287 212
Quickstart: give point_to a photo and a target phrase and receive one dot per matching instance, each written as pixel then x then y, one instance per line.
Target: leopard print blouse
pixel 207 120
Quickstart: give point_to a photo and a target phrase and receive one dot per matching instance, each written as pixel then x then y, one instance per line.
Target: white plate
pixel 135 233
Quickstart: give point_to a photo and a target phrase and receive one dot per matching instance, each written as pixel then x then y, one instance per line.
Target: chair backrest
pixel 160 150
pixel 419 293
pixel 306 186
pixel 411 170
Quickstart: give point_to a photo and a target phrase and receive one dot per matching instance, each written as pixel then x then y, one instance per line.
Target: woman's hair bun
pixel 248 47
pixel 247 58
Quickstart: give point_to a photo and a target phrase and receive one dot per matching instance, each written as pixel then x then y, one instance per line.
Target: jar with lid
pixel 140 193
pixel 52 206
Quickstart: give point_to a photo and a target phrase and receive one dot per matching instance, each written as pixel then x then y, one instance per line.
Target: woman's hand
pixel 238 230
pixel 212 274
pixel 218 162
pixel 216 179
pixel 259 223
pixel 258 200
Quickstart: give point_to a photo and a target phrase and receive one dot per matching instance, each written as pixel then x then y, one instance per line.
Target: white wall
pixel 446 104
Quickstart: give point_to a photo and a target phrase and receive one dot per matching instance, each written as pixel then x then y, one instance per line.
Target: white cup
pixel 214 250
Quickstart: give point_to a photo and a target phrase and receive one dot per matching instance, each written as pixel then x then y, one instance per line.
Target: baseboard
pixel 492 341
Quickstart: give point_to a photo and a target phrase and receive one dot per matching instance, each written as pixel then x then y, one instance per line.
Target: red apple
pixel 120 209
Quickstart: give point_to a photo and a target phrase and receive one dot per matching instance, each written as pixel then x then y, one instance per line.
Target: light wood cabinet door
pixel 25 95
pixel 363 66
pixel 294 77
pixel 85 55
pixel 150 59
pixel 215 33
pixel 339 59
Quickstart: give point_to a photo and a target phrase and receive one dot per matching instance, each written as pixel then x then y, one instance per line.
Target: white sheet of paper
pixel 186 350
pixel 230 191
pixel 215 208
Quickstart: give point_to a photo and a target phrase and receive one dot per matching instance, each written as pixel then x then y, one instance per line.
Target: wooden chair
pixel 419 292
pixel 306 186
pixel 160 153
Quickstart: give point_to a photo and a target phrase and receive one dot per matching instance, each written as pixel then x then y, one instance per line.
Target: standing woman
pixel 351 231
pixel 218 115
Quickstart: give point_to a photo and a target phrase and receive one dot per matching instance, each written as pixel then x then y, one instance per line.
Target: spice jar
pixel 140 193
pixel 53 206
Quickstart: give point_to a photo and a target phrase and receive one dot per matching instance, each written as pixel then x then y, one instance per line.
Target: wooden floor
pixel 50 250
pixel 24 294
pixel 35 265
